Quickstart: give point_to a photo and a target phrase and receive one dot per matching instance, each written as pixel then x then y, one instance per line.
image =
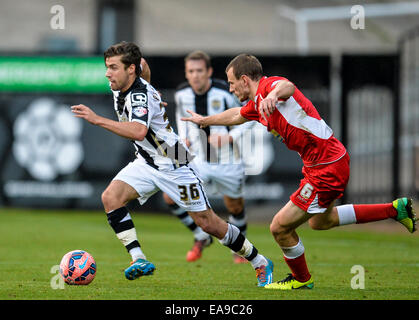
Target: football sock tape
pixel 123 226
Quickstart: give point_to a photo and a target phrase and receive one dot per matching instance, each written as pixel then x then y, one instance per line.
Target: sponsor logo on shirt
pixel 139 111
pixel 139 99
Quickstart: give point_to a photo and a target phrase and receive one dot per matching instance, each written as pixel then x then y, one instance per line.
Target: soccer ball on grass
pixel 78 267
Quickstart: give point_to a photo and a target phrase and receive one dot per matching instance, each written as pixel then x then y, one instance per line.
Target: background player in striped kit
pixel 289 115
pixel 161 164
pixel 218 159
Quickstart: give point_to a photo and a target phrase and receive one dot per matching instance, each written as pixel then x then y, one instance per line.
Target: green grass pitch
pixel 33 241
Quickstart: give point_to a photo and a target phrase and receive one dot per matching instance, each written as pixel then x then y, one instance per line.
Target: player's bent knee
pixel 110 201
pixel 105 197
pixel 279 229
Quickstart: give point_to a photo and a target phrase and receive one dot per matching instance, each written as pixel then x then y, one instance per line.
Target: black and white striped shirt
pixel 216 100
pixel 161 148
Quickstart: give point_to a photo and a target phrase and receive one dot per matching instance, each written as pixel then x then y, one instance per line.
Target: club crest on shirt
pixel 139 111
pixel 215 104
pixel 139 99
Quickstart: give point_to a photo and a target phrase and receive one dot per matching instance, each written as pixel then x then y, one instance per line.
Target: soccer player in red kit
pixel 291 117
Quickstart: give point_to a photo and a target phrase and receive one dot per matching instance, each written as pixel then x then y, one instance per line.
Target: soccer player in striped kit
pixel 291 117
pixel 162 163
pixel 217 157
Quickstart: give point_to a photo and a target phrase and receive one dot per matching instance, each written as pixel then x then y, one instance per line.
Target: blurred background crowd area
pixel 218 27
pixel 357 62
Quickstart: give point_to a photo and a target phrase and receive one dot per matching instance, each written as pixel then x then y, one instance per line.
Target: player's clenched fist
pixel 267 106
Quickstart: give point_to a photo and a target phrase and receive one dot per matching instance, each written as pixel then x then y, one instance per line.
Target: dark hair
pixel 199 55
pixel 246 64
pixel 130 53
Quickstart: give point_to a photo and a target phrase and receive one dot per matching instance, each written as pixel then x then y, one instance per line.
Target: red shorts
pixel 322 185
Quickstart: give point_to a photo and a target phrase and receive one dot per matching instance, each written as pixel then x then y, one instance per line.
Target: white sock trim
pixel 259 261
pixel 346 214
pixel 137 253
pixel 231 235
pixel 294 251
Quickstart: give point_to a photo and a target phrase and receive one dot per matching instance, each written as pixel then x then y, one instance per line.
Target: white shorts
pixel 182 185
pixel 228 179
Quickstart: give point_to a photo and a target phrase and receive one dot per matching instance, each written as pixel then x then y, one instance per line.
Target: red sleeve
pixel 265 86
pixel 270 84
pixel 248 111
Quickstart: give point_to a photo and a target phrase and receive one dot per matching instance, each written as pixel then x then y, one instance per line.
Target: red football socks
pixel 374 212
pixel 299 268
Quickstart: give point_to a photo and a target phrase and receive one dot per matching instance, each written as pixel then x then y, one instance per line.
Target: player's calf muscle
pixel 210 223
pixel 324 221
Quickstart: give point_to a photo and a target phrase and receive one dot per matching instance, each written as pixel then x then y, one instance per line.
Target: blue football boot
pixel 139 268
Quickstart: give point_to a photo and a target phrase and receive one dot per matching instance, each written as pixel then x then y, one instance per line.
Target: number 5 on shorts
pixel 193 192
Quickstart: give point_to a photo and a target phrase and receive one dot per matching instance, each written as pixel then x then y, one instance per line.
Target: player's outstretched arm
pixel 130 130
pixel 229 117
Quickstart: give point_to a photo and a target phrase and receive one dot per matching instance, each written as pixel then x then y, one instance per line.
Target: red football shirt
pixel 298 124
